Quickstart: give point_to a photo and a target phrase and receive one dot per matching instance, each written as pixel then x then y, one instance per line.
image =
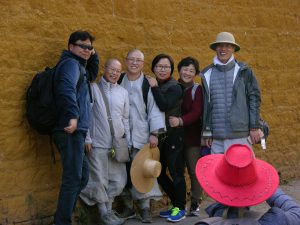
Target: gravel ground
pixel 292 189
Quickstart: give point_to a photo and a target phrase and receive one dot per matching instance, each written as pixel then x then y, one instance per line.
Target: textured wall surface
pixel 33 34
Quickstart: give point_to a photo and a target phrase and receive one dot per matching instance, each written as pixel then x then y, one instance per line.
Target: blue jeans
pixel 75 173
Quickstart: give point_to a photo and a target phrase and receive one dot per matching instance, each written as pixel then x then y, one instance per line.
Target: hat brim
pixel 213 45
pixel 236 196
pixel 141 183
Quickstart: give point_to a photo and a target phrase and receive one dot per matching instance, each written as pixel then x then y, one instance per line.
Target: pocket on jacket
pixel 239 119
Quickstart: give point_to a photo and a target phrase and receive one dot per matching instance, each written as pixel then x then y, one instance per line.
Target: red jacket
pixel 192 116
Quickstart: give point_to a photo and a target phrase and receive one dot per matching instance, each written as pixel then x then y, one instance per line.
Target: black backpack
pixel 40 104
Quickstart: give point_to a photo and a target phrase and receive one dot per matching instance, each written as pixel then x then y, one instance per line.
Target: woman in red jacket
pixel 191 121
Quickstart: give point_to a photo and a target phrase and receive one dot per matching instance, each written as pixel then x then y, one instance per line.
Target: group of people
pixel 180 117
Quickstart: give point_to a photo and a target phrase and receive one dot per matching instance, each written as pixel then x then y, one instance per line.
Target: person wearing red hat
pixel 237 180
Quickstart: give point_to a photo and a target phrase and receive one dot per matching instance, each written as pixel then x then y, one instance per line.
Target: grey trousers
pixel 220 146
pixel 107 178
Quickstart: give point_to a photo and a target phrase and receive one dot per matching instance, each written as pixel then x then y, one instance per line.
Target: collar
pixel 218 62
pixel 105 83
pixel 160 82
pixel 67 53
pixel 186 85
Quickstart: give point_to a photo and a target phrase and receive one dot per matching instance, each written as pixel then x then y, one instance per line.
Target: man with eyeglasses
pixel 107 176
pixel 77 67
pixel 231 99
pixel 146 122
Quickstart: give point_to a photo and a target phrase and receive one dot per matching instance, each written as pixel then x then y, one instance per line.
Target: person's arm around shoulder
pixel 167 100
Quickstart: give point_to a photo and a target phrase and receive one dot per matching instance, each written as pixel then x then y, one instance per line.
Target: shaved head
pixel 110 61
pixel 135 51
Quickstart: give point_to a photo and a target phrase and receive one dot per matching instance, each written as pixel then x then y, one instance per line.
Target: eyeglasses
pixel 161 67
pixel 85 47
pixel 113 70
pixel 135 60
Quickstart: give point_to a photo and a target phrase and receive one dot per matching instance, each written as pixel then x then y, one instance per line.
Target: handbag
pixel 119 145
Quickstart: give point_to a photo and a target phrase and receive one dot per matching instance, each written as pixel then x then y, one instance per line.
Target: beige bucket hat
pixel 145 168
pixel 225 37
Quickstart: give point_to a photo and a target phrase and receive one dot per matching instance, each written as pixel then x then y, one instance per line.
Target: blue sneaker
pixel 167 213
pixel 176 215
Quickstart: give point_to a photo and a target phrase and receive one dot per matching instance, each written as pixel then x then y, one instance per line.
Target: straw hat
pixel 145 168
pixel 224 37
pixel 236 178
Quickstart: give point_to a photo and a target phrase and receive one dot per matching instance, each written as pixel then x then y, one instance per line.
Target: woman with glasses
pixel 167 95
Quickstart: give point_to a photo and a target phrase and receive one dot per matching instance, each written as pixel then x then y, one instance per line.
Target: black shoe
pixel 194 209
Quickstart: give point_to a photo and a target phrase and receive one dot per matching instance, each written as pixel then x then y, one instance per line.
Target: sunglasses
pixel 83 46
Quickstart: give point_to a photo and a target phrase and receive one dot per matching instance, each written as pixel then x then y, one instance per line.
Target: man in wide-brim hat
pixel 237 180
pixel 231 99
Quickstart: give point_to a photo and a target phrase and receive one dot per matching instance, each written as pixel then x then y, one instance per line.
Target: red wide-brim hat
pixel 237 178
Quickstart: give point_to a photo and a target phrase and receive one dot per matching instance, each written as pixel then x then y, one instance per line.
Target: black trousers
pixel 171 157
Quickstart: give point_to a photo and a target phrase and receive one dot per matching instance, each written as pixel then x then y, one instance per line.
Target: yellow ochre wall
pixel 33 34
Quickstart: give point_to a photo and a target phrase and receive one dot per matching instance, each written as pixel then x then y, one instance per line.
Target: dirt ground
pixel 292 189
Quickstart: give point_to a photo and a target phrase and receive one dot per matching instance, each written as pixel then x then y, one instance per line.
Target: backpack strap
pixel 145 88
pixel 81 76
pixel 121 78
pixel 80 81
pixel 194 88
pixel 109 118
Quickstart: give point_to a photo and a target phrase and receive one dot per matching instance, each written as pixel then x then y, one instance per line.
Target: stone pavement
pixel 292 189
